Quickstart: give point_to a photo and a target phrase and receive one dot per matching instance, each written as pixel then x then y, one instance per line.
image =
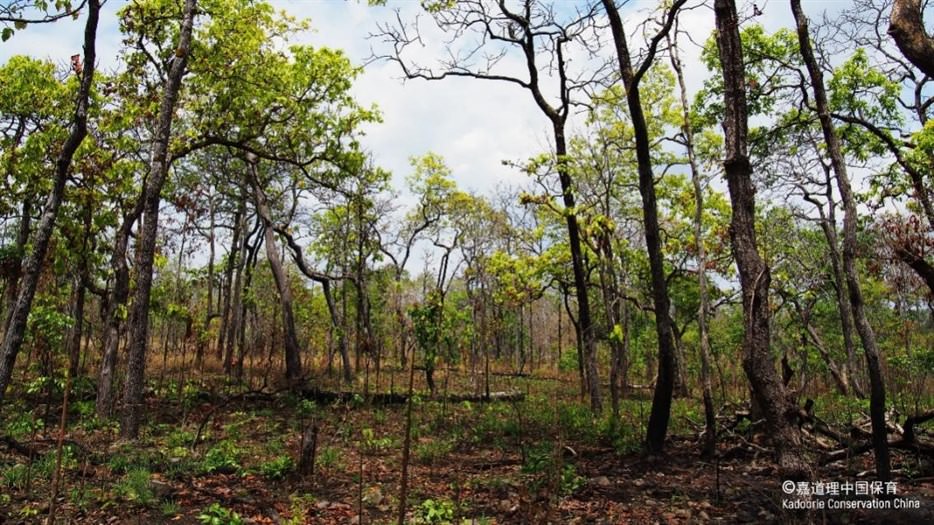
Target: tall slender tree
pixel 631 77
pixel 863 328
pixel 146 241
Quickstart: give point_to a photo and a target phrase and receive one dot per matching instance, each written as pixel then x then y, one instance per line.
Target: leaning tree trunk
pixel 754 274
pixel 880 442
pixel 32 266
pixel 146 241
pixel 293 363
pixel 664 385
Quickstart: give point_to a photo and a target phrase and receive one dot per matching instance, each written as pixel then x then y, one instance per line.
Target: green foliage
pixel 224 456
pixel 278 467
pixel 435 511
pixel 23 423
pixel 216 514
pixel 373 445
pixel 136 487
pixel 432 451
pixel 542 460
pixel 329 458
pixel 169 508
pixel 16 476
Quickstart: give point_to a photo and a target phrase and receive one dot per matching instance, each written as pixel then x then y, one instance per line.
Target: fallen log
pixel 325 396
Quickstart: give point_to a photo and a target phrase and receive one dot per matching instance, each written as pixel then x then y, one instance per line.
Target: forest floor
pixel 210 454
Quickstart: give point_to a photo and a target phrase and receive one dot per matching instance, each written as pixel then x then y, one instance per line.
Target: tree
pixel 32 266
pixel 293 363
pixel 866 334
pixel 542 39
pixel 146 242
pixel 631 76
pixel 754 273
pixel 906 27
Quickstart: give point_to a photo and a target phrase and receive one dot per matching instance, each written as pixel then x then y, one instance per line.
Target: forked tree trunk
pixel 32 266
pixel 664 385
pixel 880 442
pixel 754 274
pixel 115 315
pixel 146 242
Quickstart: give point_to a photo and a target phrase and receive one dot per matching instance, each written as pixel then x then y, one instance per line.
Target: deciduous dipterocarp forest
pixel 642 261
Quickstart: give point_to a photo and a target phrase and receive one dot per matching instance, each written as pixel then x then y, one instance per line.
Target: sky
pixel 475 125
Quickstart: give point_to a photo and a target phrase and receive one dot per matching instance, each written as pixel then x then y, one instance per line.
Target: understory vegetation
pixel 711 288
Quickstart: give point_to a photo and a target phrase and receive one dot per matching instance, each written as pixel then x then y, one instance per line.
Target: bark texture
pixel 767 388
pixel 293 362
pixel 133 406
pixel 664 385
pixel 906 27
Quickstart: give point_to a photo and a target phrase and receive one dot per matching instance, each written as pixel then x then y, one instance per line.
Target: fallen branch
pixel 324 396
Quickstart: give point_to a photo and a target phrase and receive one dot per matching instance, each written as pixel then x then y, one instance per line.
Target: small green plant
pixel 222 457
pixel 23 424
pixel 430 452
pixel 299 505
pixel 136 487
pixel 278 467
pixel 439 512
pixel 329 458
pixel 169 508
pixel 179 438
pixel 372 444
pixel 540 461
pixel 81 497
pixel 15 477
pixel 215 514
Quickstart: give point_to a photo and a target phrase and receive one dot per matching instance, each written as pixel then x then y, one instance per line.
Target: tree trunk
pixel 664 385
pixel 709 445
pixel 232 287
pixel 863 328
pixel 906 27
pixel 32 266
pixel 753 272
pixel 115 315
pixel 146 243
pixel 829 227
pixel 293 364
pixel 584 322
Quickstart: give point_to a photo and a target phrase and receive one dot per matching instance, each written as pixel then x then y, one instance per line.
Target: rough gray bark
pixel 754 274
pixel 293 362
pixel 863 328
pixel 146 242
pixel 32 266
pixel 114 313
pixel 664 385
